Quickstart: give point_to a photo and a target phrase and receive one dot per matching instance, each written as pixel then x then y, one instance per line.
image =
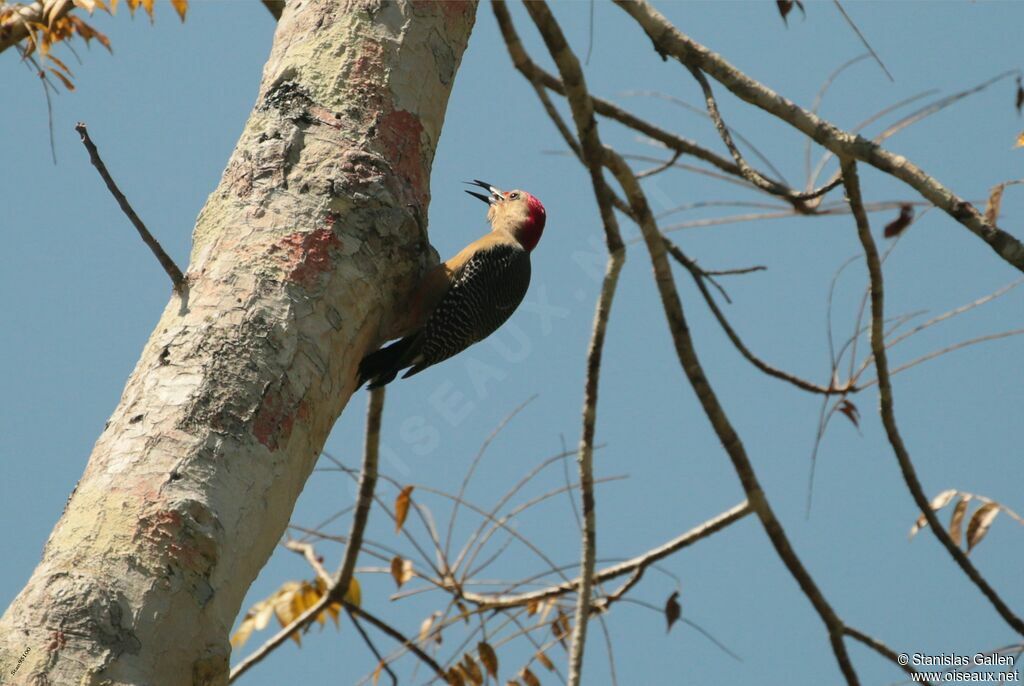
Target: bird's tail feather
pixel 381 367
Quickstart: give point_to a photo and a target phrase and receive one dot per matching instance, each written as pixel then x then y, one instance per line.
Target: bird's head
pixel 516 212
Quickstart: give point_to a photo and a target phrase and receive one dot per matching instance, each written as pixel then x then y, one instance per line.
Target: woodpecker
pixel 465 299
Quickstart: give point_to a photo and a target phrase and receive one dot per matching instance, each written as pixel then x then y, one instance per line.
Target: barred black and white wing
pixel 484 293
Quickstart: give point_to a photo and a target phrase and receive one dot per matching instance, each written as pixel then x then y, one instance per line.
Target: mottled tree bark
pixel 313 236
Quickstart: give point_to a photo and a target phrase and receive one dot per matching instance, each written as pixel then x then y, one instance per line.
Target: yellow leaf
pixel 181 7
pixel 148 6
pixel 488 657
pixel 63 79
pixel 1020 141
pixel 402 507
pixel 243 633
pixel 334 609
pixel 263 611
pixel 354 593
pixel 87 5
pixel 979 524
pixel 284 608
pixel 401 570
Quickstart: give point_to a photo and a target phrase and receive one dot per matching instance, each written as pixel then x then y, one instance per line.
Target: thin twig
pixel 702 531
pixel 885 651
pixel 698 278
pixel 863 40
pixel 888 416
pixel 749 173
pixel 593 156
pixel 177 278
pixel 373 649
pixel 343 577
pixel 669 41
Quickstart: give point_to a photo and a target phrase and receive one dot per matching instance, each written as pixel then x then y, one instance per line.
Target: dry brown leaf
pixel 900 223
pixel 528 677
pixel 560 628
pixel 957 520
pixel 455 676
pixel 472 670
pixel 402 507
pixel 545 660
pixel 545 608
pixel 531 607
pixel 785 6
pixel 937 503
pixel 427 625
pixel 401 570
pixel 851 412
pixel 995 200
pixel 488 657
pixel 673 611
pixel 63 79
pixel 980 523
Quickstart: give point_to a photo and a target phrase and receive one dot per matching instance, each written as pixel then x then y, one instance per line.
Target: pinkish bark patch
pixel 273 422
pixel 307 254
pixel 400 133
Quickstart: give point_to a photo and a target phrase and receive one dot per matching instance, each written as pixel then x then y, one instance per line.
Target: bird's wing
pixel 486 289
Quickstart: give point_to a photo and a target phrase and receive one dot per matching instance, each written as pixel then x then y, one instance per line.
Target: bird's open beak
pixel 495 196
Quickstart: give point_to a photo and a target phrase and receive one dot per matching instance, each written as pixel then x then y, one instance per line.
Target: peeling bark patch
pixel 400 133
pixel 273 421
pixel 185 537
pixel 307 254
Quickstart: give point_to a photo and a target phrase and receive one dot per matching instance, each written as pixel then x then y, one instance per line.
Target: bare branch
pixel 852 183
pixel 177 278
pixel 593 156
pixel 668 40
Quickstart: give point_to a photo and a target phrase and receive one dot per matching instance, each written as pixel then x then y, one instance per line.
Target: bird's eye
pixel 513 195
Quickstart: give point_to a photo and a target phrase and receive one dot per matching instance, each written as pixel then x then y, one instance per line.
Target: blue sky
pixel 81 294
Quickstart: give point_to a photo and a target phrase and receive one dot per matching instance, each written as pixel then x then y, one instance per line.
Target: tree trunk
pixel 314 235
